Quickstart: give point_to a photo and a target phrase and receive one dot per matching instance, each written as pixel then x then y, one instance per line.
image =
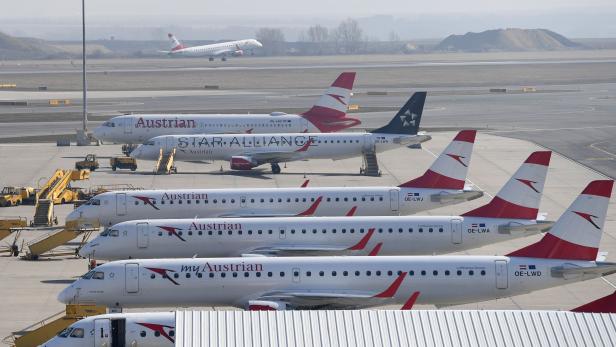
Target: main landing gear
pixel 275 168
pixel 211 58
pixel 223 59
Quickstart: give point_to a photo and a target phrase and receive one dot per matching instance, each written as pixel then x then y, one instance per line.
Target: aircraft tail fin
pixel 175 43
pixel 407 120
pixel 329 113
pixel 449 170
pixel 577 233
pixel 606 304
pixel 519 198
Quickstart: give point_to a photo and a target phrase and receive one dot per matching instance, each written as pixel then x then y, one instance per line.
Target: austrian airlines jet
pixel 443 184
pixel 247 151
pixel 222 50
pixel 327 115
pixel 511 214
pixel 158 329
pixel 566 254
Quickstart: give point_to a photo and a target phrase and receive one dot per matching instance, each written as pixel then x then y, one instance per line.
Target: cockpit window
pixel 94 202
pixel 109 124
pixel 114 233
pixel 65 332
pixel 98 275
pixel 88 275
pixel 77 332
pixel 149 143
pixel 105 233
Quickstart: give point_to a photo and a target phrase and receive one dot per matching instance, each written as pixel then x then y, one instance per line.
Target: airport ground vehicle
pixel 14 196
pixel 90 162
pixel 123 163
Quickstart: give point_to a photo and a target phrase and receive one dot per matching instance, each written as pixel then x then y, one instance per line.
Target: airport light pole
pixel 83 62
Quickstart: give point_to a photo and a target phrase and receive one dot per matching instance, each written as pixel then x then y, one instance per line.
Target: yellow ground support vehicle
pixel 13 196
pixel 90 163
pixel 123 163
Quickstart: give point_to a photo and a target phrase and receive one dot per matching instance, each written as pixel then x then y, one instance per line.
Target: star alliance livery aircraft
pixel 247 151
pixel 568 253
pixel 441 185
pixel 222 49
pixel 511 214
pixel 327 115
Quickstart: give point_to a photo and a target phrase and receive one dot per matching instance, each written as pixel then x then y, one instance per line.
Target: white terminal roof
pixel 394 328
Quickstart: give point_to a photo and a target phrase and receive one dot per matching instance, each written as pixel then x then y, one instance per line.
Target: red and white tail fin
pixel 521 195
pixel 329 112
pixel 449 170
pixel 176 45
pixel 606 304
pixel 577 233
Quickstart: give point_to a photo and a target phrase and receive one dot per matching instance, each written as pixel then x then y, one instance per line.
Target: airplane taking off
pixel 321 236
pixel 222 49
pixel 568 253
pixel 247 151
pixel 329 114
pixel 158 329
pixel 441 185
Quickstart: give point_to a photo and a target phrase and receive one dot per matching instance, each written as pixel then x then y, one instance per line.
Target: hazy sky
pixel 46 8
pixel 235 19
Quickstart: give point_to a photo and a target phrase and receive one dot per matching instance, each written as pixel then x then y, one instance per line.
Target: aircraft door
pixel 456 230
pixel 128 125
pixel 102 333
pixel 143 237
pixel 303 126
pixel 131 273
pixel 393 200
pixel 121 204
pixel 296 275
pixel 502 274
pixel 169 144
pixel 368 145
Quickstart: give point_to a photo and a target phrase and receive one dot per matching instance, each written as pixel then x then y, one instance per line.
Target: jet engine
pixel 242 163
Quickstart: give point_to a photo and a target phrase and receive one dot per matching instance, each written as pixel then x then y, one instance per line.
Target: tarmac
pixel 572 111
pixel 30 287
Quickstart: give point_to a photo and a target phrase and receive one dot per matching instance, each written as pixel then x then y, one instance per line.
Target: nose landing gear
pixel 275 168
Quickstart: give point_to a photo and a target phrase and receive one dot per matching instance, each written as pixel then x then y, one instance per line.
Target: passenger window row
pixel 262 200
pixel 293 231
pixel 356 273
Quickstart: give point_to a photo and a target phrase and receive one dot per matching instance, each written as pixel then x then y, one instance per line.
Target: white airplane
pixel 568 253
pixel 222 49
pixel 321 236
pixel 158 329
pixel 246 151
pixel 327 115
pixel 443 184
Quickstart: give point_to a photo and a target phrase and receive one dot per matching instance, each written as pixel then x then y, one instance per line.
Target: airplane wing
pixel 222 51
pixel 327 299
pixel 277 157
pixel 251 213
pixel 311 250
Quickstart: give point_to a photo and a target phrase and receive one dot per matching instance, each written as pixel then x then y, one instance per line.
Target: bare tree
pixel 317 37
pixel 272 39
pixel 348 36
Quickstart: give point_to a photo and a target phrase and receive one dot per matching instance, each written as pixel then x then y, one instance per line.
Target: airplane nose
pixel 98 133
pixel 136 153
pixel 86 251
pixel 66 295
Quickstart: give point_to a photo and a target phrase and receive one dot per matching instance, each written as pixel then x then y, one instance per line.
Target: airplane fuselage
pixel 440 280
pixel 290 236
pixel 114 207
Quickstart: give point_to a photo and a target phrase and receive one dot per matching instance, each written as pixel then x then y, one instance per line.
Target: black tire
pixel 113 168
pixel 133 168
pixel 93 169
pixel 275 168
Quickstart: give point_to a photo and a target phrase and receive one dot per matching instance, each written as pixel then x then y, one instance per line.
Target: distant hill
pixel 30 48
pixel 507 40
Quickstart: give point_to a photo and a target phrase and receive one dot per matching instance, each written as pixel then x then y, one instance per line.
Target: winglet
pixel 410 302
pixel 393 288
pixel 363 242
pixel 312 209
pixel 351 212
pixel 305 184
pixel 375 251
pixel 606 304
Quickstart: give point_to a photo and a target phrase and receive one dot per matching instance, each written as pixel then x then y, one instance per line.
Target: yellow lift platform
pixel 44 245
pixel 8 226
pixel 164 165
pixel 44 330
pixel 57 190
